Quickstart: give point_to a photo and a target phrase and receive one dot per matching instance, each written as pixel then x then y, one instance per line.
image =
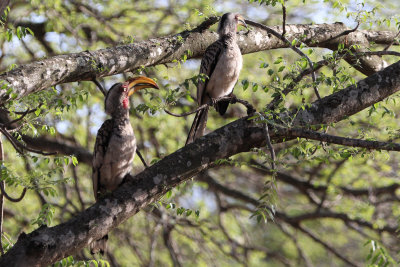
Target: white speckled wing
pixel 102 139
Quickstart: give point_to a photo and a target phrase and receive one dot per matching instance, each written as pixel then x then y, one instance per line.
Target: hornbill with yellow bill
pixel 219 72
pixel 115 145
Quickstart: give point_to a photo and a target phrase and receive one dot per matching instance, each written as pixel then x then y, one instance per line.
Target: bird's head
pixel 229 23
pixel 118 95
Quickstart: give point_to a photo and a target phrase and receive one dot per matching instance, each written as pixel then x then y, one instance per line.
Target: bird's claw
pixel 233 99
pixel 214 102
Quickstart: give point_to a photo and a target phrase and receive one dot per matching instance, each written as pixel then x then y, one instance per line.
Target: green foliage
pixel 71 262
pixel 378 256
pixel 45 216
pixel 268 2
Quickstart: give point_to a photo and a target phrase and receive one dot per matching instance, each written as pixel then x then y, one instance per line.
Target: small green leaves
pixel 170 206
pixel 22 32
pixel 268 2
pixel 245 84
pixel 378 256
pixel 278 60
pixel 70 262
pixel 45 216
pixel 74 160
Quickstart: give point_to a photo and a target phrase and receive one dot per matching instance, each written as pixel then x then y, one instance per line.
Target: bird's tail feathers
pixel 198 126
pixel 222 106
pixel 99 246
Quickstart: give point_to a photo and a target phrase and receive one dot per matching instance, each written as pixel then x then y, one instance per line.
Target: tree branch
pixel 87 65
pixel 304 133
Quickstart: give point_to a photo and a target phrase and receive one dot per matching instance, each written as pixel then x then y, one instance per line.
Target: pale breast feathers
pixel 226 73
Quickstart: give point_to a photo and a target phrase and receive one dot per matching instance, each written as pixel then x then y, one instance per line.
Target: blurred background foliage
pixel 206 222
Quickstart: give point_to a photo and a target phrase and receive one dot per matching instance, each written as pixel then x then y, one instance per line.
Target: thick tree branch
pixel 87 65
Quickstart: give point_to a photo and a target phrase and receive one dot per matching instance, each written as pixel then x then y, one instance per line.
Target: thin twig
pixel 392 42
pixel 294 48
pixel 274 102
pixel 377 53
pixel 346 32
pixel 314 135
pixel 21 147
pixel 233 99
pixel 8 197
pixel 186 113
pixel 325 245
pixel 283 19
pixel 141 158
pixel 300 251
pixel 330 177
pixel 4 193
pixel 101 88
pixel 76 185
pixel 18 112
pixel 23 114
pixel 271 150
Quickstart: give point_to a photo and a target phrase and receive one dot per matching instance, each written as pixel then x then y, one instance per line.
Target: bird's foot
pixel 214 101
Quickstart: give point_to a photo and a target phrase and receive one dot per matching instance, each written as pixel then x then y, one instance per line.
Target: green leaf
pixel 74 160
pixel 278 60
pixel 245 84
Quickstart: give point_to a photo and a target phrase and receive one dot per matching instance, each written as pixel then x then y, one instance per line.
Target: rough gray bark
pixel 47 245
pixel 380 37
pixel 86 65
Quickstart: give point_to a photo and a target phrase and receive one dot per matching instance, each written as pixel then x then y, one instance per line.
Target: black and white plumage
pixel 115 145
pixel 219 72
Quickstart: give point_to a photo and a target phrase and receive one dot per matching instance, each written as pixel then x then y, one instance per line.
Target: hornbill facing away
pixel 115 145
pixel 220 68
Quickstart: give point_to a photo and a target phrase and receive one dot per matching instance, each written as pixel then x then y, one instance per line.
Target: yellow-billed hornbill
pixel 221 65
pixel 115 145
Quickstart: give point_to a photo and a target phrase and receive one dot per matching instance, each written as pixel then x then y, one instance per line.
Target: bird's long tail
pixel 99 245
pixel 198 126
